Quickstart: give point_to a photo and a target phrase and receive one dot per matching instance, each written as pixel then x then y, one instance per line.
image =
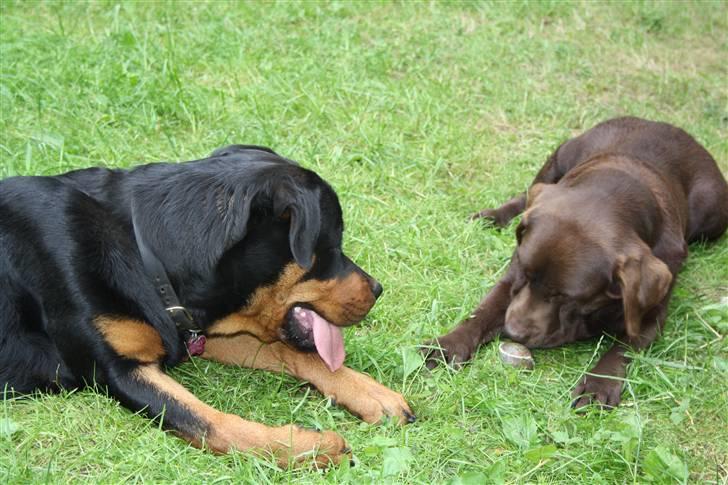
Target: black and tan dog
pixel 605 231
pixel 109 276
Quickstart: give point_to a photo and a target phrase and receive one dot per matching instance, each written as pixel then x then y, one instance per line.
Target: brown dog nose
pixel 376 287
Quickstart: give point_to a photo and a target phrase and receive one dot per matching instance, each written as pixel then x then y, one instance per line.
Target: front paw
pixel 453 349
pixel 296 446
pixel 372 401
pixel 490 215
pixel 605 391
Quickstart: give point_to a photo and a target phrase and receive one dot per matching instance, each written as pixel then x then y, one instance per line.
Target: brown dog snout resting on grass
pixel 604 233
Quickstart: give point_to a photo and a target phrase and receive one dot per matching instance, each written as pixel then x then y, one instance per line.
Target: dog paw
pixel 490 215
pixel 298 446
pixel 451 349
pixel 372 401
pixel 604 391
pixel 289 445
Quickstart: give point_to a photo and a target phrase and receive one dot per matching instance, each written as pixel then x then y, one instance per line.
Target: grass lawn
pixel 418 114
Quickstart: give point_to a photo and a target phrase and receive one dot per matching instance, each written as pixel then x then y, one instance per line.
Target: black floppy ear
pixel 303 208
pixel 190 222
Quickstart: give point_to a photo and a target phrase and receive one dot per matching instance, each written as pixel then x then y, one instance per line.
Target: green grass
pixel 418 114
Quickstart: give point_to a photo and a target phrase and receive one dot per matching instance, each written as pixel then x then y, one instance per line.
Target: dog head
pixel 577 262
pixel 254 243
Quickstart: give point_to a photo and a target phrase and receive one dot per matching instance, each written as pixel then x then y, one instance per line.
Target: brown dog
pixel 603 236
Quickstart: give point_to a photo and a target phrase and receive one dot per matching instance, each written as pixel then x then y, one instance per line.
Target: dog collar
pixel 194 340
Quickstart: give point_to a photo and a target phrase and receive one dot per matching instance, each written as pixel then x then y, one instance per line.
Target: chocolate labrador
pixel 605 231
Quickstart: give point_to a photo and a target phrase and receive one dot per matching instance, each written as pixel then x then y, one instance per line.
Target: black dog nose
pixel 376 288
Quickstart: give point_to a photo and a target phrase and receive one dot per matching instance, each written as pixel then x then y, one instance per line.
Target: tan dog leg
pixel 358 393
pixel 199 423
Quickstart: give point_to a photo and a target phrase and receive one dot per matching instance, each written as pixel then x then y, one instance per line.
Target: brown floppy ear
pixel 644 280
pixel 533 192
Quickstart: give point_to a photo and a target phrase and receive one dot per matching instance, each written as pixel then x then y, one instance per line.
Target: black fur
pixel 222 226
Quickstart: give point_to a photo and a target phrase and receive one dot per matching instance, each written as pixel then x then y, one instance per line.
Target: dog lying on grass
pixel 605 231
pixel 109 276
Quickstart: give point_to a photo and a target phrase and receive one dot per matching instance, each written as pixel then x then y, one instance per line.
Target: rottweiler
pixel 110 276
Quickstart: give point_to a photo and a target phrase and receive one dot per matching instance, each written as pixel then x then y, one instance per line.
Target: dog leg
pixel 550 173
pixel 147 388
pixel 603 384
pixel 481 327
pixel 358 393
pixel 501 216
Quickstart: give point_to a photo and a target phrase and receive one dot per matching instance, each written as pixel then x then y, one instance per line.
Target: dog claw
pixel 410 417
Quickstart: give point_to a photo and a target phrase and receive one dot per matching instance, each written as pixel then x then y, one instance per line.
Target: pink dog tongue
pixel 329 342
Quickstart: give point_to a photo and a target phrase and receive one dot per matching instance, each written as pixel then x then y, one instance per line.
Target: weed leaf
pixel 396 460
pixel 662 465
pixel 521 431
pixel 8 427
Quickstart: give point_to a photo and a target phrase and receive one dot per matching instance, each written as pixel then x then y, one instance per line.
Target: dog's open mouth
pixel 308 330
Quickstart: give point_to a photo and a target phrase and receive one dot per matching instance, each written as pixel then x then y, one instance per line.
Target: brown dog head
pixel 578 265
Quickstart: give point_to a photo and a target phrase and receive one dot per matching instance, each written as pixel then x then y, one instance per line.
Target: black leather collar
pixel 155 269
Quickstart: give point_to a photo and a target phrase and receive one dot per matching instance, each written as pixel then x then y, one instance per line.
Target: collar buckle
pixel 183 314
pixel 183 319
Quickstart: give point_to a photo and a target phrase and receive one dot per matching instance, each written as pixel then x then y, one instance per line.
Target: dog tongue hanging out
pixel 328 338
pixel 235 258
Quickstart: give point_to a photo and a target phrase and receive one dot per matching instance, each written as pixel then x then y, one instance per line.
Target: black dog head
pixel 253 243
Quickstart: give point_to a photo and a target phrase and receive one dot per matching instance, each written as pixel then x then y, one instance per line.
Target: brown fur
pixel 341 301
pixel 131 339
pixel 604 233
pixel 360 394
pixel 226 432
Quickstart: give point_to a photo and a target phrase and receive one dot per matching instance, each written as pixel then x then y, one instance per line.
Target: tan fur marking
pixel 131 338
pixel 227 431
pixel 357 392
pixel 340 301
pixel 263 314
